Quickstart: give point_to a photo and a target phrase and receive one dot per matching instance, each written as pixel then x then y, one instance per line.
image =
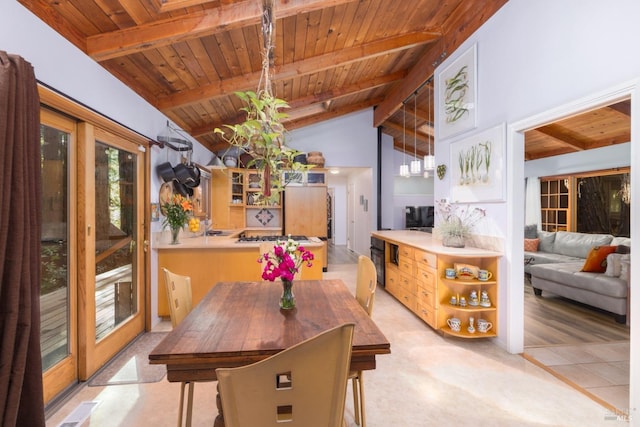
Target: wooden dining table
pixel 239 323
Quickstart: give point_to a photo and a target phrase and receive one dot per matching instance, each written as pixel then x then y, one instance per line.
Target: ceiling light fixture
pixel 404 168
pixel 429 159
pixel 415 163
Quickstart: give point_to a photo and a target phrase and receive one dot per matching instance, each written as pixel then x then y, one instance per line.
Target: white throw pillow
pixel 616 268
pixel 613 265
pixel 624 266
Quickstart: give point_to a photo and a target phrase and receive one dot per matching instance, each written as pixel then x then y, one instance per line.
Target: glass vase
pixel 175 233
pixel 453 241
pixel 287 300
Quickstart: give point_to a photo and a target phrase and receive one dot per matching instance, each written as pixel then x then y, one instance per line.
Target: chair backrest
pixel 366 281
pixel 178 295
pixel 304 385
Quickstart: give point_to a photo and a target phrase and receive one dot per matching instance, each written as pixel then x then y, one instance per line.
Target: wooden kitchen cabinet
pixel 305 211
pixel 227 198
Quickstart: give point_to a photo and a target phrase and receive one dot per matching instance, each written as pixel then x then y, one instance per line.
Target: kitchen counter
pixel 227 240
pixel 428 242
pixel 220 258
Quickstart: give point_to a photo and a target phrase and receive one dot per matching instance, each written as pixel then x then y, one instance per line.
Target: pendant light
pixel 415 163
pixel 429 159
pixel 404 168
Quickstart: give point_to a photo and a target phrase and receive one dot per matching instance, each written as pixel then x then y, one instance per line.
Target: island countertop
pixel 428 242
pixel 228 239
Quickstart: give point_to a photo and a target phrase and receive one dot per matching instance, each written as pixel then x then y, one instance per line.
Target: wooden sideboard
pixel 415 267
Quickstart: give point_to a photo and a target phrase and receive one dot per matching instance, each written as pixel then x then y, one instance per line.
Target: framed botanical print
pixel 477 167
pixel 457 96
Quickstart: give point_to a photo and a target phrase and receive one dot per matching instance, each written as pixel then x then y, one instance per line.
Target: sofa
pixel 588 268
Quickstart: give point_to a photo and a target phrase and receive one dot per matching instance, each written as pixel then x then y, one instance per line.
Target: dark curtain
pixel 21 397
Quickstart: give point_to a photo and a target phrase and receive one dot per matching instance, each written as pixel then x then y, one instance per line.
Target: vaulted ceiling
pixel 332 57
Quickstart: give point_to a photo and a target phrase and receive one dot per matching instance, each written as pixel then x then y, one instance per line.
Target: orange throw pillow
pixel 597 259
pixel 531 245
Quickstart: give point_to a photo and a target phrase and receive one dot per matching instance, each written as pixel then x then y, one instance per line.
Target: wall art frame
pixel 477 166
pixel 457 95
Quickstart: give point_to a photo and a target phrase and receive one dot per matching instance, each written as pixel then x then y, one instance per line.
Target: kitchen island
pixel 415 264
pixel 221 258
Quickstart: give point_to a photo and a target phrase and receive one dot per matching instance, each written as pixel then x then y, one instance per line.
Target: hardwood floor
pixel 553 320
pixel 339 254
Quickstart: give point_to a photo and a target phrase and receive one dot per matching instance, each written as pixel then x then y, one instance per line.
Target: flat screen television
pixel 418 216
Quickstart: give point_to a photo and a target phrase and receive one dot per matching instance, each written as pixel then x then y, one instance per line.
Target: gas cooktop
pixel 245 239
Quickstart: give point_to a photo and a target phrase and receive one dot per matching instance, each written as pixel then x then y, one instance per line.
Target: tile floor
pixel 427 380
pixel 602 370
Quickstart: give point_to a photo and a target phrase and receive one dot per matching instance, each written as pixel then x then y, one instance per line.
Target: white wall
pixel 348 141
pixel 536 56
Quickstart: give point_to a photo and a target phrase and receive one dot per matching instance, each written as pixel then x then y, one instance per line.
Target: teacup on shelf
pixel 484 326
pixel 454 323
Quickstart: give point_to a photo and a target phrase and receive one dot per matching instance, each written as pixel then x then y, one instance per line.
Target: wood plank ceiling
pixel 332 57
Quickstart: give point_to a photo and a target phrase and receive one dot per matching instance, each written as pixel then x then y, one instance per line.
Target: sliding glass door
pixel 92 290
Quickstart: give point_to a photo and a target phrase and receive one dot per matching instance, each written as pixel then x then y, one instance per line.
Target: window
pixel 592 202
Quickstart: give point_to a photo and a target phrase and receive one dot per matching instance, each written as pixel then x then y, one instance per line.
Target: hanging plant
pixel 262 134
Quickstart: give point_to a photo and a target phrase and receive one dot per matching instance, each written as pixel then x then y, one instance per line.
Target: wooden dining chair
pixel 302 386
pixel 366 280
pixel 179 297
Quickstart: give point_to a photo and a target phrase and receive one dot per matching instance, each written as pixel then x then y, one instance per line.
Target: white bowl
pixel 230 162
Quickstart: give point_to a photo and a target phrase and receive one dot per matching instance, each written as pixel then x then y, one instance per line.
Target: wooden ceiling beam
pixel 169 5
pixel 419 74
pixel 623 107
pixel 410 133
pixel 193 25
pixel 299 68
pixel 565 136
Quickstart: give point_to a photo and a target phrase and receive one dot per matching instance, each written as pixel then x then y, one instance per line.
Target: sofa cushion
pixel 596 261
pixel 569 274
pixel 549 258
pixel 618 241
pixel 546 241
pixel 578 244
pixel 531 231
pixel 614 264
pixel 531 245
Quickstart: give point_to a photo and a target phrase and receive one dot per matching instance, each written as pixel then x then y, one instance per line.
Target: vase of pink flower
pixel 283 262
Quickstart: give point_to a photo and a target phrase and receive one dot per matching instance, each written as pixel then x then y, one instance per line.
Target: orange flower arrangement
pixel 177 211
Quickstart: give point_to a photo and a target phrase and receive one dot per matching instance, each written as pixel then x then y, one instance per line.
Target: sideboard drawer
pixel 426 276
pixel 425 259
pixel 426 313
pixel 406 251
pixel 405 265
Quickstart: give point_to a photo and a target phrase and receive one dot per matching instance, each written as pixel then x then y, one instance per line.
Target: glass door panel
pixel 111 200
pixel 57 287
pixel 116 289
